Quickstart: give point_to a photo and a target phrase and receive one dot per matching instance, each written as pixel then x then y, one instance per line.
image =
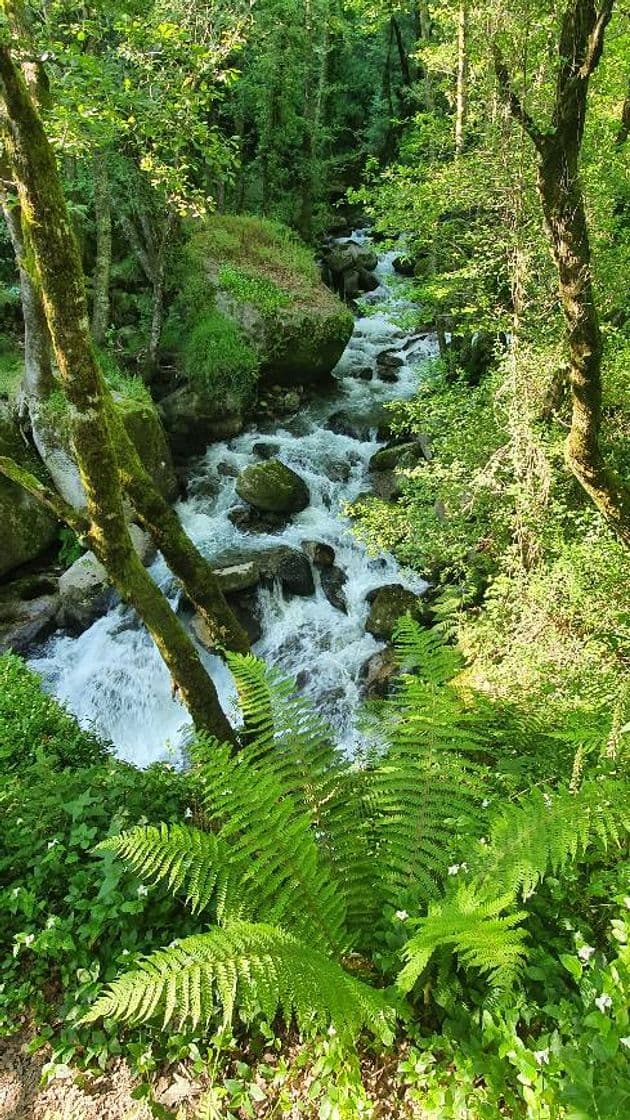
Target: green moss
pixel 258 290
pixel 11 369
pixel 124 384
pixel 219 361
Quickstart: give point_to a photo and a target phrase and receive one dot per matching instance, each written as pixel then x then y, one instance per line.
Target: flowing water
pixel 112 678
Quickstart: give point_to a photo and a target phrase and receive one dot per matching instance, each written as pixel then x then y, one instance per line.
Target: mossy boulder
pixel 252 306
pixel 27 528
pixel 272 487
pixel 388 604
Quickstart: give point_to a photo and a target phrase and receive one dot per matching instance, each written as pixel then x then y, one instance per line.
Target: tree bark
pixel 102 267
pixel 61 282
pixel 560 190
pixel 38 374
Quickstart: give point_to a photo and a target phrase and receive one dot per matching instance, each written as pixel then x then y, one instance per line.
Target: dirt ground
pixel 107 1097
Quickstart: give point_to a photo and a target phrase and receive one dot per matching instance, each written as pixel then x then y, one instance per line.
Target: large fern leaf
pixel 427 790
pixel 481 918
pixel 258 967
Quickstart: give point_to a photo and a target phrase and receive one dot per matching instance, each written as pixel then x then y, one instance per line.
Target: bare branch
pixel 517 109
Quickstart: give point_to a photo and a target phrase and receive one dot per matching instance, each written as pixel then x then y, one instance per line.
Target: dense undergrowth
pixel 483 948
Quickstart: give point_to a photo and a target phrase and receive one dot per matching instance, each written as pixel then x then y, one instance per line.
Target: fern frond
pixel 183 858
pixel 427 790
pixel 273 846
pixel 477 931
pixel 540 834
pixel 258 967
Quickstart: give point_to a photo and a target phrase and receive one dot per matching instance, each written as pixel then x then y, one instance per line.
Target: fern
pixel 256 966
pixel 479 919
pixel 427 789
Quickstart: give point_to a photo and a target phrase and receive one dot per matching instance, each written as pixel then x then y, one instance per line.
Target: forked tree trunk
pixel 58 267
pixel 560 190
pixel 102 266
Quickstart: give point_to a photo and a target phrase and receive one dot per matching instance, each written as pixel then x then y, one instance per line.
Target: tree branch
pixel 517 109
pixel 44 495
pixel 595 43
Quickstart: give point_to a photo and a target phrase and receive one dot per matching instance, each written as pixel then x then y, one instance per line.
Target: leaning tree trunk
pixel 558 147
pixel 58 267
pixel 102 266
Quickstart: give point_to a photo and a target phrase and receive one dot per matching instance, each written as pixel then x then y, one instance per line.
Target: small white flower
pixel 125 953
pixel 52 843
pixel 29 939
pixel 19 820
pixel 585 952
pixel 625 1041
pixel 542 1057
pixel 485 803
pixel 464 866
pixel 453 869
pixel 188 814
pixel 402 915
pixel 15 892
pixel 142 891
pixel 482 840
pixel 603 1002
pixel 332 1032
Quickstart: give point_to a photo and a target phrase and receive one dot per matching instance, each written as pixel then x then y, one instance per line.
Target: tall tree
pixel 58 268
pixel 558 147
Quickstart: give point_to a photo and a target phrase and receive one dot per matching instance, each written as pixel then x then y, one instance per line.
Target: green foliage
pixel 258 966
pixel 11 369
pixel 218 360
pixel 70 547
pixel 34 727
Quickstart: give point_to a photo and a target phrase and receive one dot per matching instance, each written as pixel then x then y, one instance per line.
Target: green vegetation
pixel 437 929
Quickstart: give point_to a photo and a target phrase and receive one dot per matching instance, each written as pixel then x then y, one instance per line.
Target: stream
pixel 112 677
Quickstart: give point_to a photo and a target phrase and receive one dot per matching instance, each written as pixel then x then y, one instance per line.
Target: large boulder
pixel 289 567
pixel 377 674
pixel 192 421
pixel 272 487
pixel 27 528
pixel 255 276
pixel 333 581
pixel 401 455
pixel 388 604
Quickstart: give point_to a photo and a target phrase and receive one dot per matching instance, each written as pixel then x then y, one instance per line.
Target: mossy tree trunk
pixel 103 262
pixel 559 187
pixel 61 282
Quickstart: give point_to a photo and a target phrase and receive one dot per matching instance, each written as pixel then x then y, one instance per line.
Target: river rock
pixel 85 594
pixel 333 581
pixel 287 565
pixel 403 265
pixel 192 422
pixel 237 577
pixel 246 608
pixel 320 554
pixel 272 487
pixel 28 612
pixel 368 282
pixel 250 520
pixel 343 425
pixel 361 373
pixel 265 450
pixel 389 359
pixel 388 604
pixel 400 455
pixel 377 674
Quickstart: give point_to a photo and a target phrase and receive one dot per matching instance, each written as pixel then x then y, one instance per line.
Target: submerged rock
pixel 333 581
pixel 289 566
pixel 272 487
pixel 320 554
